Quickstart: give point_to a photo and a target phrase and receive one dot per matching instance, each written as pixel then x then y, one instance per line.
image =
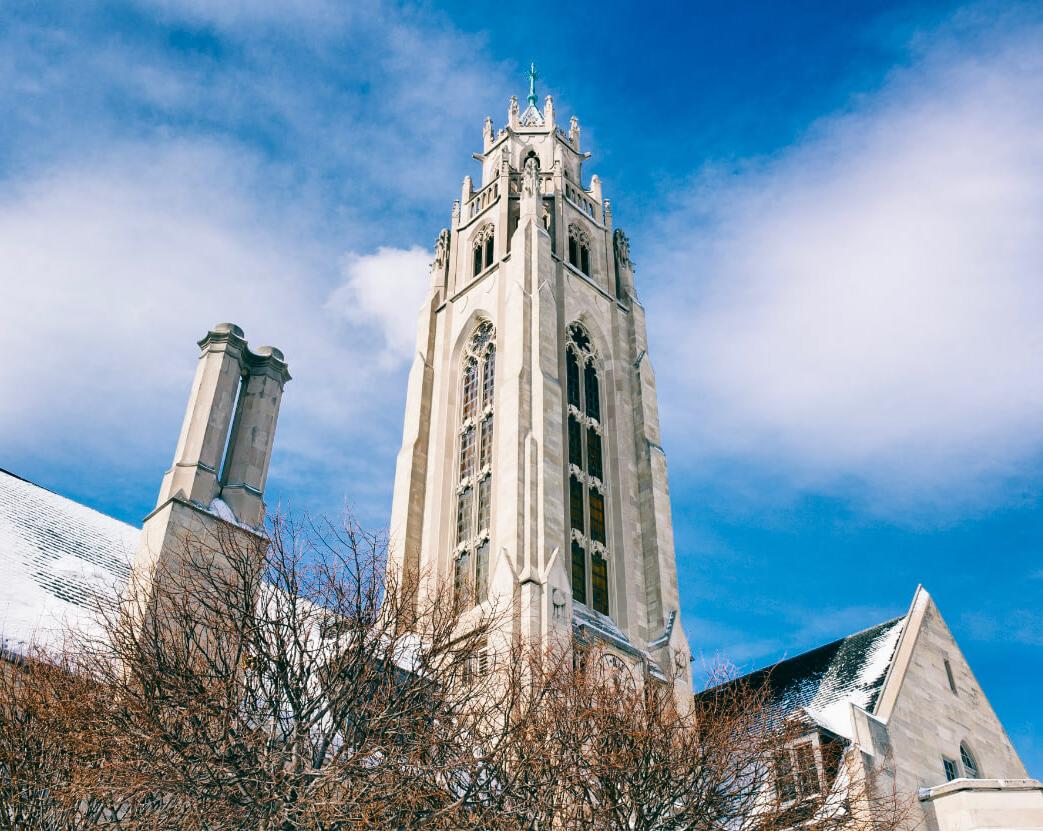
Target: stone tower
pixel 531 475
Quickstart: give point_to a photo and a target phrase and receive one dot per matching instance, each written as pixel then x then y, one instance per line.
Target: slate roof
pixel 824 681
pixel 57 557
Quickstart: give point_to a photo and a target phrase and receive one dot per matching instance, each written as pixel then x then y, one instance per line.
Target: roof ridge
pixel 784 659
pixel 54 492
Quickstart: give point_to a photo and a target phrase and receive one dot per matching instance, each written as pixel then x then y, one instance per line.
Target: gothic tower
pixel 531 474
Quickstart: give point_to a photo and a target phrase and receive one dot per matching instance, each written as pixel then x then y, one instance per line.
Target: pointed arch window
pixel 484 245
pixel 474 484
pixel 579 248
pixel 586 498
pixel 970 766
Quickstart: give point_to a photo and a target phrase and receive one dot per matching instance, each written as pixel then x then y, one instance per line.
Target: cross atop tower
pixel 533 77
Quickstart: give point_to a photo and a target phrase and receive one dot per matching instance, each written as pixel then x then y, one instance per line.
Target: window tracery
pixel 586 498
pixel 483 246
pixel 579 248
pixel 474 486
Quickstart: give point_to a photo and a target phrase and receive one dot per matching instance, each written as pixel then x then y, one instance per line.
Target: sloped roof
pixel 824 681
pixel 57 557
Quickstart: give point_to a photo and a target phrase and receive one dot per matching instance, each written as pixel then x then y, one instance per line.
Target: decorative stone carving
pixel 621 244
pixel 441 250
pixel 531 178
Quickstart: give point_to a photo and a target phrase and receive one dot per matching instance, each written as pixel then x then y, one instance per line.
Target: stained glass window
pixel 599 583
pixel 486 458
pixel 481 571
pixel 488 374
pixel 575 442
pixel 590 384
pixel 572 377
pixel 470 394
pixel 597 516
pixel 467 453
pixel 586 460
pixel 484 493
pixel 474 496
pixel 576 503
pixel 579 572
pixel 594 466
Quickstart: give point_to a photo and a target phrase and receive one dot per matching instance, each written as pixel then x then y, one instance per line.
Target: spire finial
pixel 533 75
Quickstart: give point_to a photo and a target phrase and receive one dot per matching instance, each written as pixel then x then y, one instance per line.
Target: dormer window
pixel 579 248
pixel 484 244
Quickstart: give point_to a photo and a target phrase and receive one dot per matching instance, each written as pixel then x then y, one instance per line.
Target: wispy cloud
pixel 861 311
pixel 1019 625
pixel 268 165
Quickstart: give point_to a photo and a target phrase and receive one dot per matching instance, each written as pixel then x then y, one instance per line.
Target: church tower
pixel 531 476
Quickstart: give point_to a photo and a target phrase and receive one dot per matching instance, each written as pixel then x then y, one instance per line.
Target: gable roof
pixel 56 558
pixel 825 681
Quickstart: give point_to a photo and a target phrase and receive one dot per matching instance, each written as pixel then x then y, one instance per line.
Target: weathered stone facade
pixel 533 252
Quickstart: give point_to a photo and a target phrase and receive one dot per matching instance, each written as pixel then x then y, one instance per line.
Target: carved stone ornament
pixel 531 177
pixel 622 246
pixel 442 249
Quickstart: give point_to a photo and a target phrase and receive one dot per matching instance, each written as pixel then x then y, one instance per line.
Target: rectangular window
pixel 785 784
pixel 486 457
pixel 467 453
pixel 594 454
pixel 597 516
pixel 463 516
pixel 573 253
pixel 575 442
pixel 579 573
pixel 950 769
pixel 952 682
pixel 590 383
pixel 481 571
pixel 807 772
pixel 599 583
pixel 484 494
pixel 584 257
pixel 576 503
pixel 489 251
pixel 477 259
pixel 572 377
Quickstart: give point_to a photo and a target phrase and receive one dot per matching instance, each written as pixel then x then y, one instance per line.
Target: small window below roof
pixel 952 681
pixel 950 769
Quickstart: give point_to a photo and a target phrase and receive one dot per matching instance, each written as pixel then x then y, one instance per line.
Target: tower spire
pixel 533 76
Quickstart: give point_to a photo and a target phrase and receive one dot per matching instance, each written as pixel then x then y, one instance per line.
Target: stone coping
pixel 957 785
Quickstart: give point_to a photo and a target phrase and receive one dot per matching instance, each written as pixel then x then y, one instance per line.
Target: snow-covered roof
pixel 57 557
pixel 825 681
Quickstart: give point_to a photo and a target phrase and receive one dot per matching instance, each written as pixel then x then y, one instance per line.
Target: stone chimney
pixel 197 501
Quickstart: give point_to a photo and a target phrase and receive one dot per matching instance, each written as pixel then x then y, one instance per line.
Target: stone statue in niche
pixel 531 177
pixel 622 246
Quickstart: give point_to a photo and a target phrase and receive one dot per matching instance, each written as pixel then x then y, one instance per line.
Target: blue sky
pixel 834 210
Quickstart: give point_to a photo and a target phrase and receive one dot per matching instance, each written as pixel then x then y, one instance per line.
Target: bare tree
pixel 287 681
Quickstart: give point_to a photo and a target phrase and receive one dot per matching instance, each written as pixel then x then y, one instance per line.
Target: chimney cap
pixel 268 350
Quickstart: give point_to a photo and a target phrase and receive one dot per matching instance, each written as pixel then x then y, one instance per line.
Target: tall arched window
pixel 586 498
pixel 483 246
pixel 579 248
pixel 970 766
pixel 474 483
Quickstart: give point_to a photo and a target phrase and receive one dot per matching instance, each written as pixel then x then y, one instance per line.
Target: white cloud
pixel 385 290
pixel 865 307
